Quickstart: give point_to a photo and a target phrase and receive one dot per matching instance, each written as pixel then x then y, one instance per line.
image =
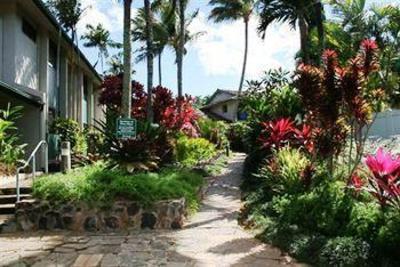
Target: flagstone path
pixel 212 237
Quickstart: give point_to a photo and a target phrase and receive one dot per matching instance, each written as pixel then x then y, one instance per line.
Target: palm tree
pixel 160 33
pixel 68 14
pixel 99 38
pixel 294 12
pixel 228 10
pixel 148 14
pixel 126 83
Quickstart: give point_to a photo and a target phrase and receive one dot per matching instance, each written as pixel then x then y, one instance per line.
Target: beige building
pixel 223 105
pixel 41 70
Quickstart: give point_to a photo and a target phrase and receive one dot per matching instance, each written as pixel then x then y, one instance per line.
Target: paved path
pixel 211 238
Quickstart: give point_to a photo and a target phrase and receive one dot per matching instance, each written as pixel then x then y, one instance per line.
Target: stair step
pixel 4 218
pixel 7 209
pixel 10 199
pixel 13 191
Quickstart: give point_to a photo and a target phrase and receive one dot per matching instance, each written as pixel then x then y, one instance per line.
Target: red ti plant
pixel 384 178
pixel 336 97
pixel 279 133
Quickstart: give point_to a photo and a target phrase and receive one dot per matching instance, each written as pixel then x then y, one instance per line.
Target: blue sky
pixel 215 59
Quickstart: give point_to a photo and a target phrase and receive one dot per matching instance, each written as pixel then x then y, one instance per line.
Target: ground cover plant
pixel 325 204
pixel 99 186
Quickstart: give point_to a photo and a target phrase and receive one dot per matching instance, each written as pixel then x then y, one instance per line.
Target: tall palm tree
pixel 98 37
pixel 229 10
pixel 126 83
pixel 295 12
pixel 148 14
pixel 160 38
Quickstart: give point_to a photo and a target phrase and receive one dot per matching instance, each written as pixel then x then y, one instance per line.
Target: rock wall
pixel 44 215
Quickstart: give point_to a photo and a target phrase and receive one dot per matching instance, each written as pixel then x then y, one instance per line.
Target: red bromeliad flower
pixel 383 164
pixel 384 181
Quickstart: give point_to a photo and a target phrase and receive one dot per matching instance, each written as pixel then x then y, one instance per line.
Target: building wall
pixel 26 57
pixel 231 112
pixel 386 124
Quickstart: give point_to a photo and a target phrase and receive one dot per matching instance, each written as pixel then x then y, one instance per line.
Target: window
pixel 29 30
pixel 225 108
pixel 85 102
pixel 52 54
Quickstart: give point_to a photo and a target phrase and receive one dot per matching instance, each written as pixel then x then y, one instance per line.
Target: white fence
pixel 386 124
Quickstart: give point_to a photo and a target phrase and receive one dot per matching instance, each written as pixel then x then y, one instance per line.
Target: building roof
pixel 233 93
pixel 28 95
pixel 43 8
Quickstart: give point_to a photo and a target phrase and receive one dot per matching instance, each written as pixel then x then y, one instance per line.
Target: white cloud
pixel 108 13
pixel 220 51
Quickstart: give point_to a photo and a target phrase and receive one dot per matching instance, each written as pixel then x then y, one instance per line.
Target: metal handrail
pixel 32 158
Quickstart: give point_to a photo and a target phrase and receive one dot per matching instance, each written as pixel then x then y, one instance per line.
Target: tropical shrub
pixel 11 151
pixel 172 113
pixel 288 172
pixel 336 96
pixel 214 131
pixel 237 133
pixel 192 151
pixel 70 131
pixel 345 251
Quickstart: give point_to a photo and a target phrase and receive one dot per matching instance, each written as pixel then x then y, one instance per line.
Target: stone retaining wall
pixel 44 215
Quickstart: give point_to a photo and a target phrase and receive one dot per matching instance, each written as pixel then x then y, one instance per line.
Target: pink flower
pixel 383 164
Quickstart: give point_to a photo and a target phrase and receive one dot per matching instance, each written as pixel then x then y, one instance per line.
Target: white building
pixel 223 105
pixel 41 70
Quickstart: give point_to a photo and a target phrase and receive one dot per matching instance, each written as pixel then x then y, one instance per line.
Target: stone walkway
pixel 210 238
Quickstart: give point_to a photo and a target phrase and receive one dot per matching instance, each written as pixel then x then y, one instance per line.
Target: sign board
pixel 126 128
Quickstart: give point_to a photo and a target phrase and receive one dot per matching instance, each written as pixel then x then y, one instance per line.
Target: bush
pixel 236 135
pixel 214 131
pixel 11 152
pixel 70 131
pixel 98 186
pixel 345 251
pixel 192 151
pixel 285 172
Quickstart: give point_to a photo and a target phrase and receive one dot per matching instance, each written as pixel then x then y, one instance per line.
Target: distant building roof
pixel 233 93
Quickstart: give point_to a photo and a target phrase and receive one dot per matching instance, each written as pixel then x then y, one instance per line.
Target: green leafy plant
pixel 11 151
pixel 345 251
pixel 192 151
pixel 214 131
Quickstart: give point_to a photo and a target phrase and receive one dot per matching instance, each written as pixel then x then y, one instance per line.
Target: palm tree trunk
pixel 181 47
pixel 320 25
pixel 160 69
pixel 246 48
pixel 303 26
pixel 150 59
pixel 127 85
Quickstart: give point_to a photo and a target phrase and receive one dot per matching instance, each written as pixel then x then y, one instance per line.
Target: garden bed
pixel 96 199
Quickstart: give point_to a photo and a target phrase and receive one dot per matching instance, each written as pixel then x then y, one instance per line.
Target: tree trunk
pixel 246 48
pixel 160 69
pixel 127 84
pixel 303 26
pixel 150 59
pixel 181 47
pixel 320 25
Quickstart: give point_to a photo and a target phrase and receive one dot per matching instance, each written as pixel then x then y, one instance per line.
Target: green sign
pixel 126 128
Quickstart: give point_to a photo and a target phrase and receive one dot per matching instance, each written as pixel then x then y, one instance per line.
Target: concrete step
pixel 11 199
pixel 6 209
pixel 13 191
